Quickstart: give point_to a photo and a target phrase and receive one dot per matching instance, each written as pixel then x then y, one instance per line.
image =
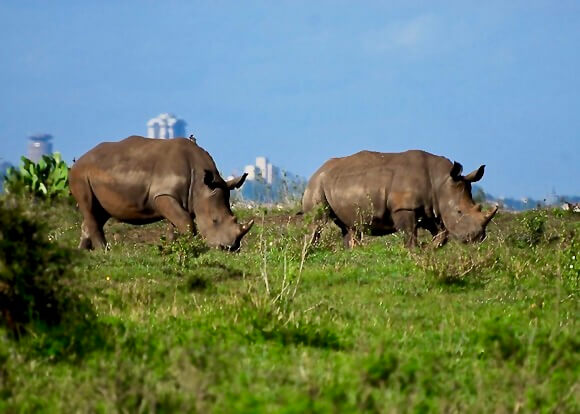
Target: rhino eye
pixel 459 212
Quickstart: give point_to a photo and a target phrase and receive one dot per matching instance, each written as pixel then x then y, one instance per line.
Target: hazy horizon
pixel 300 82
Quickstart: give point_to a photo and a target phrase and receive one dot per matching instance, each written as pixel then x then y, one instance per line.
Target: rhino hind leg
pixel 92 233
pixel 349 238
pixel 406 221
pixel 94 216
pixel 85 242
pixel 169 208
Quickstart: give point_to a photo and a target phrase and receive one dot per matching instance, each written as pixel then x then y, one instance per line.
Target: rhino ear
pixel 456 170
pixel 476 175
pixel 209 179
pixel 236 182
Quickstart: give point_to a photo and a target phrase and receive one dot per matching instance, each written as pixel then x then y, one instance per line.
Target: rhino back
pixel 126 176
pixel 380 183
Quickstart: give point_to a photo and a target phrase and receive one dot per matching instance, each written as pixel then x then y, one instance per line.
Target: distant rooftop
pixel 166 125
pixel 166 117
pixel 40 137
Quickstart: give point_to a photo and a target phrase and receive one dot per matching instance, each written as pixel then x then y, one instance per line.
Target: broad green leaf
pixel 43 163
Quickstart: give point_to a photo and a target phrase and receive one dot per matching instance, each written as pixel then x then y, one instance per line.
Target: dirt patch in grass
pixel 121 233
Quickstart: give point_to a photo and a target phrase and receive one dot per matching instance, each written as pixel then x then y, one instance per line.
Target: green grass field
pixel 287 327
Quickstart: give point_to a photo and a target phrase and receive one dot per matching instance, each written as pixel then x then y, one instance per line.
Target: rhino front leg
pixel 440 238
pixel 169 208
pixel 406 221
pixel 172 231
pixel 439 235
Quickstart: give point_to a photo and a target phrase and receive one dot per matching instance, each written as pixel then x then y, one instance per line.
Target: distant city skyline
pixel 490 83
pixel 267 182
pixel 263 170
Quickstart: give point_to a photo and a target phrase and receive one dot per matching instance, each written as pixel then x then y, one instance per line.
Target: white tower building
pixel 39 145
pixel 265 182
pixel 269 173
pixel 166 126
pixel 262 166
pixel 251 171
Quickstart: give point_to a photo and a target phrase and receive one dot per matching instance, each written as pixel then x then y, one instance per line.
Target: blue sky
pixel 493 82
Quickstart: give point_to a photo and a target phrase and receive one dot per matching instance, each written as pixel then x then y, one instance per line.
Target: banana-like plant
pixel 48 178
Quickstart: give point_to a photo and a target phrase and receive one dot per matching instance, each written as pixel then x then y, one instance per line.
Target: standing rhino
pixel 387 192
pixel 142 180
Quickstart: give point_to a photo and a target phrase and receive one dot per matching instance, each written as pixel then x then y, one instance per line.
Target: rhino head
pixel 213 216
pixel 462 218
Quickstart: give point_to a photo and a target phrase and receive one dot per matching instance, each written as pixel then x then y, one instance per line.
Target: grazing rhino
pixel 142 180
pixel 387 192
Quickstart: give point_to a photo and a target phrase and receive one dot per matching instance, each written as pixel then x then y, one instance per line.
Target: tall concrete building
pixel 166 126
pixel 39 145
pixel 268 183
pixel 263 170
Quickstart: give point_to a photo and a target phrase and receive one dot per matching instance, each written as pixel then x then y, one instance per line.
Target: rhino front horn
pixel 489 216
pixel 246 228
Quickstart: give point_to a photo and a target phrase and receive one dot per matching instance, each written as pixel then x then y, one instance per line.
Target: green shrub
pixel 184 248
pixel 46 179
pixel 266 325
pixel 459 266
pixel 530 229
pixel 571 266
pixel 35 282
pixel 206 274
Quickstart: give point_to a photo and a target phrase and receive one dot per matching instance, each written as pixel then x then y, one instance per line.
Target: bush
pixel 181 250
pixel 46 179
pixel 530 229
pixel 460 266
pixel 35 283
